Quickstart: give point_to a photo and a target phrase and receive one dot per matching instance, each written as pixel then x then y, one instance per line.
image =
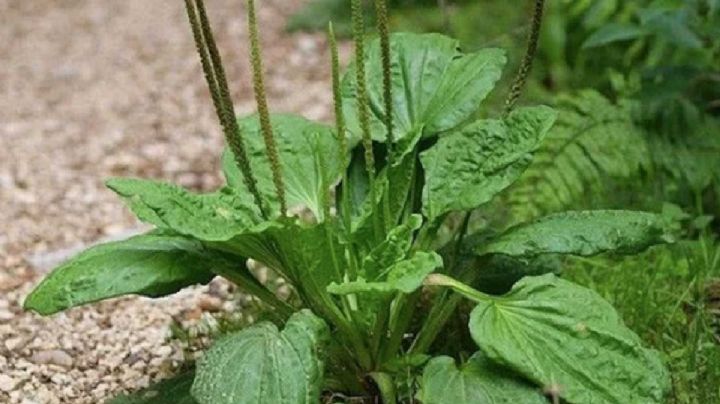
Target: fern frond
pixel 593 140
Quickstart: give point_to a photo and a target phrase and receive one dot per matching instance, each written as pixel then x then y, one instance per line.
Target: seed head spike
pixel 382 26
pixel 217 83
pixel 526 65
pixel 337 96
pixel 340 125
pixel 358 29
pixel 263 112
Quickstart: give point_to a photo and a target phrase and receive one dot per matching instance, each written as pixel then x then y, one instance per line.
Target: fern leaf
pixel 593 140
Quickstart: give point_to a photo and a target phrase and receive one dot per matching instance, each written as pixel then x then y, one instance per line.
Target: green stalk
pixel 343 149
pixel 442 309
pixel 381 321
pixel 262 106
pixel 340 124
pixel 358 28
pixel 526 65
pixel 217 84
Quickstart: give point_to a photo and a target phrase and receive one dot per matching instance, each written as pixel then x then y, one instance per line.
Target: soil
pixel 91 89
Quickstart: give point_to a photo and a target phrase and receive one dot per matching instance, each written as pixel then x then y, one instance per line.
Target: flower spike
pixel 263 112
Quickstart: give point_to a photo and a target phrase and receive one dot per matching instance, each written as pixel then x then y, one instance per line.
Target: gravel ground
pixel 96 88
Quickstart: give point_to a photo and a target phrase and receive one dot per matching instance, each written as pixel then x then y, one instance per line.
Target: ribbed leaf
pixel 476 382
pixel 262 365
pixel 217 216
pixel 581 233
pixel 465 169
pixel 405 276
pixel 305 148
pixel 435 87
pixel 569 340
pixel 151 265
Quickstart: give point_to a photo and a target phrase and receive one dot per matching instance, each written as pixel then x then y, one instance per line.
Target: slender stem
pixel 358 28
pixel 262 106
pixel 217 83
pixel 346 215
pixel 442 309
pixel 340 126
pixel 400 320
pixel 459 287
pixel 526 65
pixel 380 327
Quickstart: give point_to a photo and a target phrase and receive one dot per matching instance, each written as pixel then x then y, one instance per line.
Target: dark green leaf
pixel 435 86
pixel 262 365
pixel 150 265
pixel 172 391
pixel 302 146
pixel 465 169
pixel 569 340
pixel 476 382
pixel 581 233
pixel 405 276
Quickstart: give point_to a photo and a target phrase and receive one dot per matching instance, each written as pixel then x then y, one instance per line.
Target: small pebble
pixel 7 383
pixel 52 357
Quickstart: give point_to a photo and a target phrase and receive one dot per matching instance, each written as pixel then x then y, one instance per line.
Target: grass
pixel 670 296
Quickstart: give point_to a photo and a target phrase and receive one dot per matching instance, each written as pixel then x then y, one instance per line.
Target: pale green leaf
pixel 569 340
pixel 217 216
pixel 392 250
pixel 476 382
pixel 151 265
pixel 304 148
pixel 434 85
pixel 583 233
pixel 405 276
pixel 465 169
pixel 262 365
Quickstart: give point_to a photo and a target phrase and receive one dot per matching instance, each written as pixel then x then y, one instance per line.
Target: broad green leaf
pixel 435 86
pixel 304 148
pixel 466 168
pixel 613 32
pixel 405 276
pixel 151 265
pixel 568 339
pixel 262 365
pixel 171 391
pixel 476 382
pixel 581 233
pixel 217 216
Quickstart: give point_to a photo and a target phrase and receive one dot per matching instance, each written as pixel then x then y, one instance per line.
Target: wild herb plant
pixel 385 268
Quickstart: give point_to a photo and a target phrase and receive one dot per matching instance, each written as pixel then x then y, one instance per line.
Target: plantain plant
pixel 398 294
